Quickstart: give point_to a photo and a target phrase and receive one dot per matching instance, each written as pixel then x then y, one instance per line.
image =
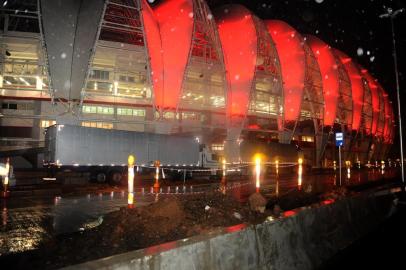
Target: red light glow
pixel 235 228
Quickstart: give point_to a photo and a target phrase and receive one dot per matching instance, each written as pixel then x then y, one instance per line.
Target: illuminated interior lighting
pixel 39 83
pixel 24 81
pixel 115 88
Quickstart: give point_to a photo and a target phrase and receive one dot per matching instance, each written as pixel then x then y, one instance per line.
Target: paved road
pixel 25 222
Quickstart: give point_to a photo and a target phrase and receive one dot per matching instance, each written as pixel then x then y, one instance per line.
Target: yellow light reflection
pixel 224 167
pixel 131 161
pixel 300 173
pixel 257 172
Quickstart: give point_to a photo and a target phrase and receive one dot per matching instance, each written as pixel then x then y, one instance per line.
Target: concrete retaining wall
pixel 302 239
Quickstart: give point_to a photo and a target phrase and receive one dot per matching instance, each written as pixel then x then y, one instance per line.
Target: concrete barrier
pixel 301 239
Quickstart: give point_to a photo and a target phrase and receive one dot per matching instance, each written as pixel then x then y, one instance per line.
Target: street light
pixel 392 15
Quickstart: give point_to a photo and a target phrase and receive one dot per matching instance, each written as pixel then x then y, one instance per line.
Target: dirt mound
pixel 257 202
pixel 163 216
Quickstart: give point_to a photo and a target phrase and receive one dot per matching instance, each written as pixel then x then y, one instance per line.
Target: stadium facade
pixel 177 67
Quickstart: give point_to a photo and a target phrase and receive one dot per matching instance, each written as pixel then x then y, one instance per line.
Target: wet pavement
pixel 26 222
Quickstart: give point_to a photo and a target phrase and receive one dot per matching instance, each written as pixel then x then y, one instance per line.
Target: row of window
pixel 110 111
pixel 105 75
pixel 47 123
pixel 217 147
pixel 105 125
pixel 18 106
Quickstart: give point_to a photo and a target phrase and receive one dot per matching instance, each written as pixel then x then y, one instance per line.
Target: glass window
pixel 47 123
pixel 217 147
pixel 100 74
pixel 131 112
pixel 105 125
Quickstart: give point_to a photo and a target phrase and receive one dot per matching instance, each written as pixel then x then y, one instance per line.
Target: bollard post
pixel 130 199
pixel 157 163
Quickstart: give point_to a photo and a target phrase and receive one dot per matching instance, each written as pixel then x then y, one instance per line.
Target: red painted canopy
pixel 356 87
pixel 375 99
pixel 153 42
pixel 330 77
pixel 292 58
pixel 238 38
pixel 174 21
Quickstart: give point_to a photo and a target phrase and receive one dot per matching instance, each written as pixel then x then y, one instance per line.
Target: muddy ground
pixel 170 218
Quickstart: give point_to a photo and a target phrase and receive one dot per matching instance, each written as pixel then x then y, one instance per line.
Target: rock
pixel 277 210
pixel 237 215
pixel 257 202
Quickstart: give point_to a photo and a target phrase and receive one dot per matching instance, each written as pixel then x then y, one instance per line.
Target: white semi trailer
pixel 104 152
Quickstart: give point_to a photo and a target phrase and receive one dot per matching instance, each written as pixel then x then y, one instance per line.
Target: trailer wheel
pixel 101 177
pixel 115 178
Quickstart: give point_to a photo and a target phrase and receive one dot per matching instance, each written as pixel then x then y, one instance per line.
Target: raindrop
pixel 209 16
pixel 63 55
pixel 372 58
pixel 319 1
pixel 360 51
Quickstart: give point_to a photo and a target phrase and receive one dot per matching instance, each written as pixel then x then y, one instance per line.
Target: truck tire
pixel 115 178
pixel 101 177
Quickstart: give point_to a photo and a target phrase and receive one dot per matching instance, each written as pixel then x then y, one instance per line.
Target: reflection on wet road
pixel 25 223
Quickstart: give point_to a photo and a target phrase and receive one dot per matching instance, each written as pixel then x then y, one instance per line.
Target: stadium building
pixel 177 67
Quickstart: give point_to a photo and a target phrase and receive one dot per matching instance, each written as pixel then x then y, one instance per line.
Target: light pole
pixel 392 15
